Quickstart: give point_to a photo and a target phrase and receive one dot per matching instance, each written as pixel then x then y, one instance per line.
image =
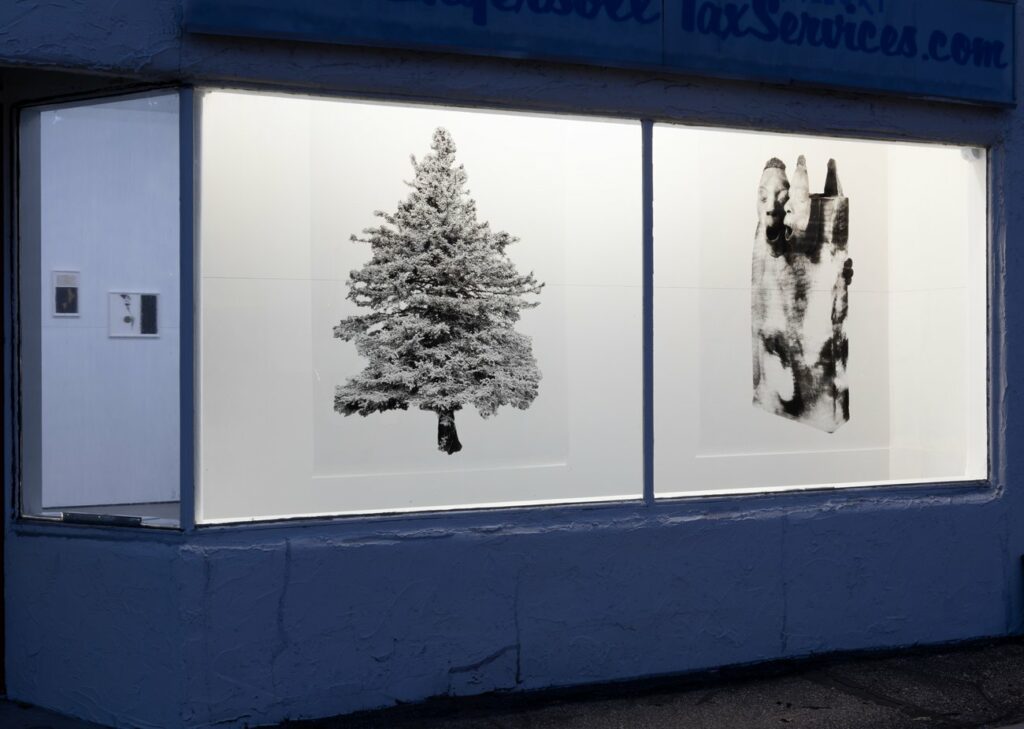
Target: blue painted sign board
pixel 955 49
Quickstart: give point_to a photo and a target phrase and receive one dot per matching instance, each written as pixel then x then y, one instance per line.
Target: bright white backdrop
pixel 916 325
pixel 285 180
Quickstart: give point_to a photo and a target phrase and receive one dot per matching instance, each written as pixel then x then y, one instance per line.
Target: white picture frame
pixel 133 315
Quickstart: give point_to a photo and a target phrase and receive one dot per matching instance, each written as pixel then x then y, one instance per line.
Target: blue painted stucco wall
pixel 254 624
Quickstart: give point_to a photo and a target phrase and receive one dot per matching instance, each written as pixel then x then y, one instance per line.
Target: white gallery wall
pixel 938 314
pixel 108 206
pixel 285 182
pixel 916 322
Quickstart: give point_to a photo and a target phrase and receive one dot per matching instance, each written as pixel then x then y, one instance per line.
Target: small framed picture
pixel 132 314
pixel 65 293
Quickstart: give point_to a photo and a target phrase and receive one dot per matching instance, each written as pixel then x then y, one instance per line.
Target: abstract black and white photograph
pixel 132 314
pixel 65 293
pixel 818 320
pixel 415 307
pixel 800 279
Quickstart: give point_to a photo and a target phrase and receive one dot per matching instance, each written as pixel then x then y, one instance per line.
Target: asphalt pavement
pixel 980 685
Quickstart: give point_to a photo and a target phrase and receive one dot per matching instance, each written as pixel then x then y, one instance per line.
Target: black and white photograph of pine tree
pixel 443 299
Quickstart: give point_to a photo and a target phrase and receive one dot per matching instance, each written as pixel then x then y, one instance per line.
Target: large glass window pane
pixel 480 344
pixel 99 251
pixel 817 325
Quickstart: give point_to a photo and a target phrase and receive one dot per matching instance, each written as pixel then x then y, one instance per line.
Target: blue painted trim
pixel 1013 66
pixel 8 310
pixel 186 274
pixel 647 144
pixel 54 529
pixel 995 215
pixel 998 371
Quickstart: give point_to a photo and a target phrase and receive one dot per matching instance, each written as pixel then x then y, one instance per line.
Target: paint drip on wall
pixel 800 279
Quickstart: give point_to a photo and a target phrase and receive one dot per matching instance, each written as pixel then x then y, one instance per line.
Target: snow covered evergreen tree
pixel 443 299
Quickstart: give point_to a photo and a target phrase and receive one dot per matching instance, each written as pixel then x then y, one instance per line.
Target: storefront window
pixel 99 297
pixel 412 307
pixel 820 312
pixel 404 307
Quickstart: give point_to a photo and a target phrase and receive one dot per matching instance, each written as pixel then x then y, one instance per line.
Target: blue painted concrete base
pixel 256 626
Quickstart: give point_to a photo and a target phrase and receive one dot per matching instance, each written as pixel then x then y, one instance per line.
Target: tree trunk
pixel 447 436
